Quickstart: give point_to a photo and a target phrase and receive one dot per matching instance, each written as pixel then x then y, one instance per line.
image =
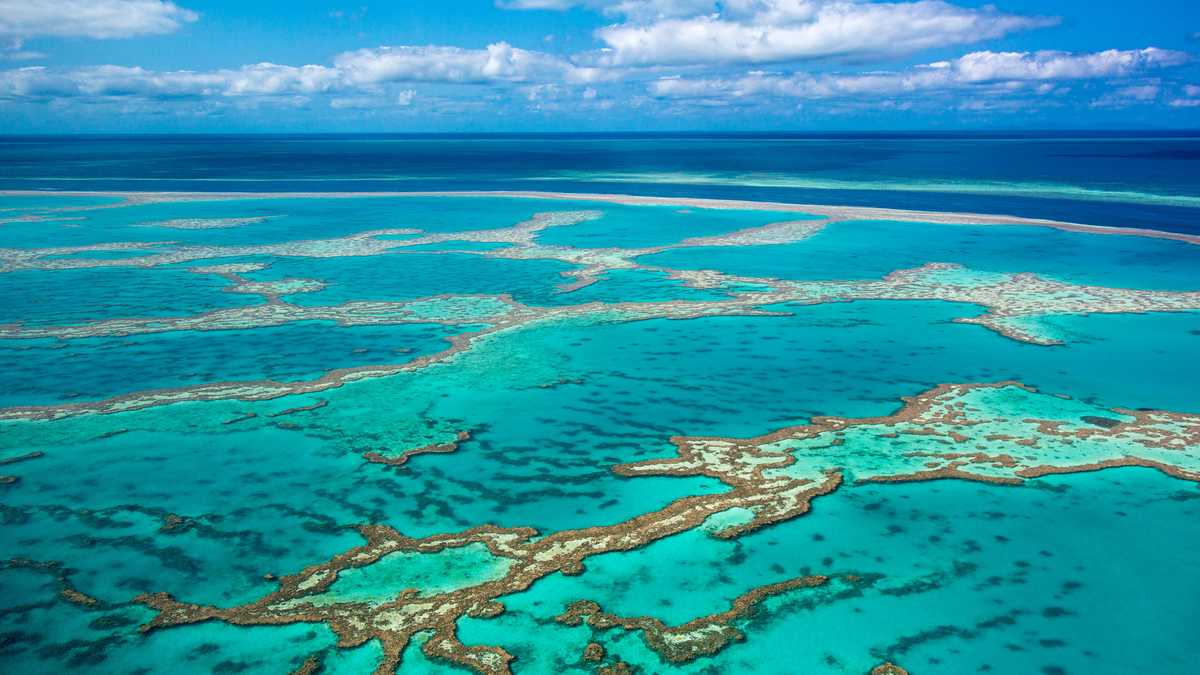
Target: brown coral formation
pixel 1170 470
pixel 594 652
pixel 176 524
pixel 939 415
pixel 311 666
pixel 755 470
pixel 402 458
pixel 594 263
pixel 320 403
pixel 1007 297
pixel 687 642
pixel 36 454
pixel 66 590
pixel 1014 302
pixel 394 623
pixel 763 490
pixel 276 312
pixel 372 242
pixel 72 595
pixel 262 390
pixel 1011 301
pixel 617 667
pixel 888 668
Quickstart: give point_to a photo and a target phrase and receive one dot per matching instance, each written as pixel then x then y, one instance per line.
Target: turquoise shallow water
pixel 89 294
pixel 971 579
pixel 645 226
pixel 634 286
pixel 211 501
pixel 276 219
pixel 48 370
pixel 408 276
pixel 838 252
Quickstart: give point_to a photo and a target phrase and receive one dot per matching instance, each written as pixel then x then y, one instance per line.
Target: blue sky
pixel 561 65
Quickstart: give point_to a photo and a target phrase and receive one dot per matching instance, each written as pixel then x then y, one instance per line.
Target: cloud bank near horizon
pixel 659 57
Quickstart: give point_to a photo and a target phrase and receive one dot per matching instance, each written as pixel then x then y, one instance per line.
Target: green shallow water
pixel 1087 573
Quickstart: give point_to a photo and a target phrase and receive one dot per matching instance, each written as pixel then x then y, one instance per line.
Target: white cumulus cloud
pixel 260 79
pixel 765 31
pixel 24 19
pixel 985 71
pixel 364 71
pixel 1053 65
pixel 680 32
pixel 498 62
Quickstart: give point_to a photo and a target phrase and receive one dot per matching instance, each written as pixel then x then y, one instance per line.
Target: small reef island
pixel 599 337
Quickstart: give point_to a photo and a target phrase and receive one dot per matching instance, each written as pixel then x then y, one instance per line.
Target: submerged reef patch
pixel 1013 303
pixel 702 636
pixel 402 458
pixel 1004 432
pixel 205 223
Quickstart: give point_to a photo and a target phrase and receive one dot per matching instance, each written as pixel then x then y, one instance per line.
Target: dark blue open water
pixel 1128 179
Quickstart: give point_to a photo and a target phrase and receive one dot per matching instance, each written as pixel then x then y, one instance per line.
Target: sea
pixel 576 403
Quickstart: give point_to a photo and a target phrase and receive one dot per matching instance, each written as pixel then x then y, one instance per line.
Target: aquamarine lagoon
pixel 536 431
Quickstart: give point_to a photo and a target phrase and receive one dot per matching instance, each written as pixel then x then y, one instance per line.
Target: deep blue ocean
pixel 1126 179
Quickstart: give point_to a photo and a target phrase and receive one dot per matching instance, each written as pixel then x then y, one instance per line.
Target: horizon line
pixel 693 133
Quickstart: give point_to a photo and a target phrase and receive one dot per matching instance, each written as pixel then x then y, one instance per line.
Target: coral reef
pixel 771 478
